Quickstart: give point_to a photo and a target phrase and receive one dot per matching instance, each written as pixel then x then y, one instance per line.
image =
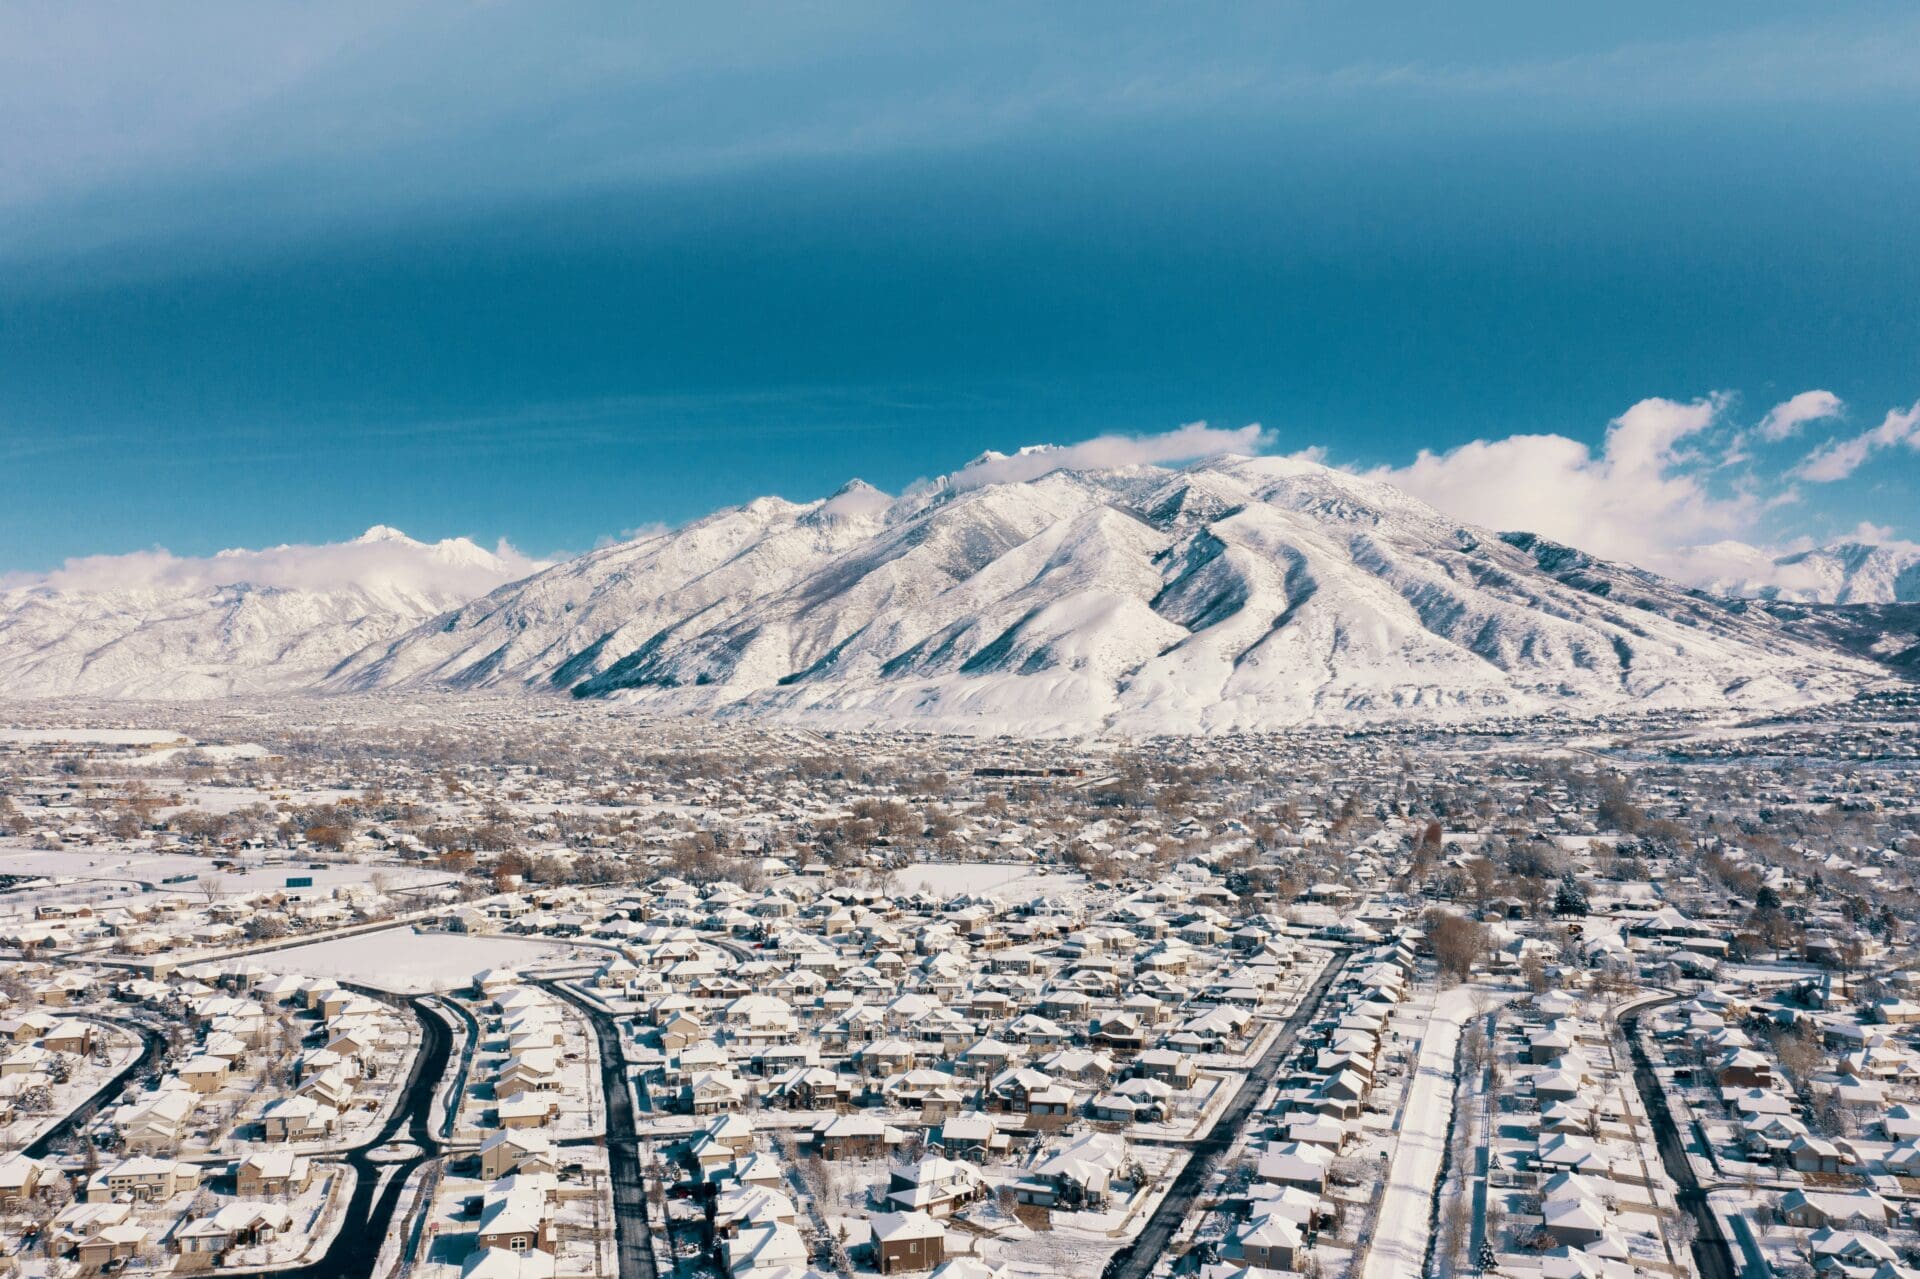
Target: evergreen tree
pixel 1569 898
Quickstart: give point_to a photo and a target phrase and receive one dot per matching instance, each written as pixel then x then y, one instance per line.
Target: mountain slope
pixel 1236 593
pixel 1888 634
pixel 236 623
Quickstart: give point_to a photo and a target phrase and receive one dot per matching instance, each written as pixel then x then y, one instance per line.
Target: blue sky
pixel 276 274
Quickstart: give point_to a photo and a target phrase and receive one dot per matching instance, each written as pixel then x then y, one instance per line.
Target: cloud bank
pixel 382 560
pixel 1674 485
pixel 1656 493
pixel 1188 443
pixel 1642 498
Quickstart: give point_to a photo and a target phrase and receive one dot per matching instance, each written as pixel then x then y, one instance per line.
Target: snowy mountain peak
pixel 1234 593
pixel 463 551
pixel 855 500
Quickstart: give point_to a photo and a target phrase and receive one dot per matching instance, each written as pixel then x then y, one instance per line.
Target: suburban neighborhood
pixel 734 1006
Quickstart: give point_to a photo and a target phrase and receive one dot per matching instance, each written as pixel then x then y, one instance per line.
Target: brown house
pixel 905 1242
pixel 854 1137
pixel 110 1244
pixel 506 1153
pixel 141 1180
pixel 517 1220
pixel 205 1074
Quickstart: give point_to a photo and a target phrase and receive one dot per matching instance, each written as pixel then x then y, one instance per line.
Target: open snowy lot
pixel 143 867
pixel 943 879
pixel 401 959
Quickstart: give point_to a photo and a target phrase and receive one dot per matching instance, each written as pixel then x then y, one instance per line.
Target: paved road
pixel 369 1216
pixel 1137 1259
pixel 1712 1253
pixel 78 1118
pixel 632 1233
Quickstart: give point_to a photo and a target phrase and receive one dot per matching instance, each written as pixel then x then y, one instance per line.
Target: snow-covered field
pixel 227 799
pixel 401 959
pixel 943 879
pixel 212 754
pixel 102 862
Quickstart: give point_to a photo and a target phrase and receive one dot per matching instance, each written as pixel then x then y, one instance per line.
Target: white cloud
pixel 1635 500
pixel 1787 417
pixel 381 560
pixel 1837 459
pixel 1194 440
pixel 1644 496
pixel 1657 491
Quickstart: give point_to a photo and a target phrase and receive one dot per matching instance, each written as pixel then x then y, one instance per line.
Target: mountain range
pixel 238 623
pixel 1232 593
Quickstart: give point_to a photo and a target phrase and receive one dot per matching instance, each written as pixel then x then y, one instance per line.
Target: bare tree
pixel 1458 943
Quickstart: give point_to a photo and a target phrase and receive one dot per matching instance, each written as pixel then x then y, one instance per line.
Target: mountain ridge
pixel 1227 594
pixel 1231 593
pixel 1848 572
pixel 235 623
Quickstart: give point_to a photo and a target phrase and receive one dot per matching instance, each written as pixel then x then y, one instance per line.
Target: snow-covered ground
pixel 221 754
pixel 403 960
pixel 1405 1217
pixel 110 863
pixel 943 879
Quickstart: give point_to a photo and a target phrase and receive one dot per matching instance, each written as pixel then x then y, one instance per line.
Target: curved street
pixel 83 1114
pixel 369 1215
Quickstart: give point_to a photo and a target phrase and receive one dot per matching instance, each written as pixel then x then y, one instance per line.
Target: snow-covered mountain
pixel 1233 593
pixel 277 620
pixel 1844 573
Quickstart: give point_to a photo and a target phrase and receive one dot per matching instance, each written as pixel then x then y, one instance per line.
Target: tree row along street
pixel 1712 1254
